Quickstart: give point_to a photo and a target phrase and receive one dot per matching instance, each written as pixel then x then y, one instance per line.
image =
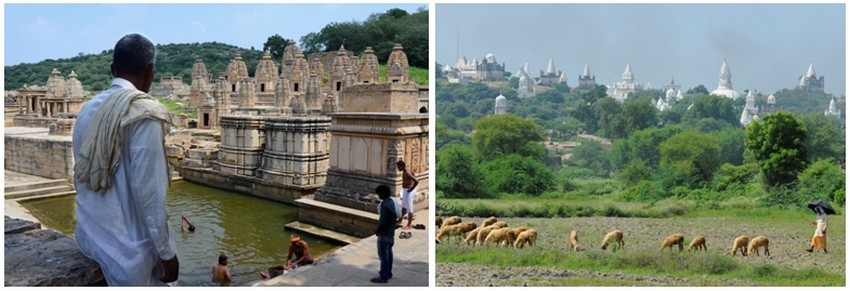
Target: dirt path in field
pixel 461 274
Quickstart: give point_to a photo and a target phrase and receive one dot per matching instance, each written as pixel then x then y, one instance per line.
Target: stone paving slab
pixel 357 263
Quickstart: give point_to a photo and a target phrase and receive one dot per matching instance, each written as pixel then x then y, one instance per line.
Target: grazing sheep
pixel 500 224
pixel 740 243
pixel 450 221
pixel 489 221
pixel 438 221
pixel 758 242
pixel 697 244
pixel 673 239
pixel 453 230
pixel 574 240
pixel 615 235
pixel 503 236
pixel 482 234
pixel 519 230
pixel 528 236
pixel 472 236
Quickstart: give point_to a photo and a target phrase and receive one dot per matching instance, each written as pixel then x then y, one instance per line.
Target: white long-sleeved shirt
pixel 125 229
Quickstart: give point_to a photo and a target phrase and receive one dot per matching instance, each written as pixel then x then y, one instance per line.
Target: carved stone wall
pixel 296 151
pixel 364 150
pixel 386 97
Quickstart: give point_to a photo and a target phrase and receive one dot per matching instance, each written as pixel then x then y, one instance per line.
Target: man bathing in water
pixel 220 272
pixel 297 247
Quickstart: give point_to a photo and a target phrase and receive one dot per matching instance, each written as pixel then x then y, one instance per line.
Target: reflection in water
pixel 249 230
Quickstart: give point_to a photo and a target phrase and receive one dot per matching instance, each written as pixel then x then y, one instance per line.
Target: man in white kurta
pixel 124 226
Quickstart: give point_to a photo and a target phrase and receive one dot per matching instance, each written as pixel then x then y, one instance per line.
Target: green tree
pixel 506 134
pixel 711 106
pixel 609 116
pixel 778 145
pixel 691 155
pixel 643 145
pixel 275 45
pixel 591 155
pixel 699 89
pixel 517 174
pixel 824 137
pixel 823 180
pixel 457 173
pixel 447 136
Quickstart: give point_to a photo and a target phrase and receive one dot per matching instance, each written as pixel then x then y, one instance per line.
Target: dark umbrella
pixel 822 205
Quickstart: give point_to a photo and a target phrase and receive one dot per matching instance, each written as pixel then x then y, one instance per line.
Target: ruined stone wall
pixel 31 121
pixel 40 155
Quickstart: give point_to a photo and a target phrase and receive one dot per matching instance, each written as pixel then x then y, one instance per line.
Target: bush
pixel 823 180
pixel 517 174
pixel 717 264
pixel 645 191
pixel 764 270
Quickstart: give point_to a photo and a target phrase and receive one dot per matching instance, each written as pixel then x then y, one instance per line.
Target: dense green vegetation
pixel 696 153
pixel 380 31
pixel 384 29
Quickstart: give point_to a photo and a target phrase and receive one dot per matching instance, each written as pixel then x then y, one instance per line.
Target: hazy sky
pixel 768 46
pixel 34 32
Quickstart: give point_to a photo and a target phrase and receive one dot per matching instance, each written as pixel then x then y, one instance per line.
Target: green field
pixel 641 262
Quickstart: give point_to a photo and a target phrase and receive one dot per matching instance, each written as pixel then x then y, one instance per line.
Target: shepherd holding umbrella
pixel 821 208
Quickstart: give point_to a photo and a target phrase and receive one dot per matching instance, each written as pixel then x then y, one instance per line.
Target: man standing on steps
pixel 385 234
pixel 121 173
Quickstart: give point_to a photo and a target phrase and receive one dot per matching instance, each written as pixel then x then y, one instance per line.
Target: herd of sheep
pixel 497 232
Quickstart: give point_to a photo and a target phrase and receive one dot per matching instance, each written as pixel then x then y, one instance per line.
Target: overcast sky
pixel 768 46
pixel 34 32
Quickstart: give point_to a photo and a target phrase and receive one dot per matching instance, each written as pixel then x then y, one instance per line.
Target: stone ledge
pixel 40 257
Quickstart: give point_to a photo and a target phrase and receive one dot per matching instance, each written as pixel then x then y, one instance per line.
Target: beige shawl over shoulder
pixel 101 150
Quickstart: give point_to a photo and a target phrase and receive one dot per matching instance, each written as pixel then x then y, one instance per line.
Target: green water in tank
pixel 249 230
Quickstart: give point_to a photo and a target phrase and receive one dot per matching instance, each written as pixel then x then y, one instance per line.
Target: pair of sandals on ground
pixel 407 234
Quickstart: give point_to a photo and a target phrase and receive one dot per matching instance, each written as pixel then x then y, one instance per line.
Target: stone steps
pixel 341 219
pixel 50 195
pixel 34 185
pixel 321 232
pixel 39 191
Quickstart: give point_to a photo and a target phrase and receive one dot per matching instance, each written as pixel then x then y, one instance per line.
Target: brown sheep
pixel 450 221
pixel 574 240
pixel 758 242
pixel 482 234
pixel 438 221
pixel 528 236
pixel 453 230
pixel 502 236
pixel 615 235
pixel 673 239
pixel 519 230
pixel 740 243
pixel 472 236
pixel 697 244
pixel 489 221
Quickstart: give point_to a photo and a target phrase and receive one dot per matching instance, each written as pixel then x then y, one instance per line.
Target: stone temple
pixel 319 136
pixel 724 85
